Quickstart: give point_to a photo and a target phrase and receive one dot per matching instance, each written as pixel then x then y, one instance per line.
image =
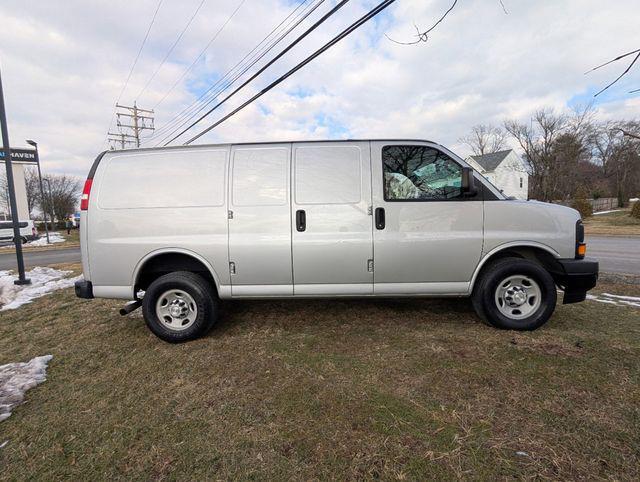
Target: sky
pixel 65 63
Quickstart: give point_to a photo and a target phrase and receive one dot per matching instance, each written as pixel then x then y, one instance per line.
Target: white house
pixel 505 170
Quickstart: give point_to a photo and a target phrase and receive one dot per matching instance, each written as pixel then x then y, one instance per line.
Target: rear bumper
pixel 84 289
pixel 576 277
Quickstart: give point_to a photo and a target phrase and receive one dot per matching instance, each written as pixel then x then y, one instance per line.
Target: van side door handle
pixel 301 220
pixel 380 218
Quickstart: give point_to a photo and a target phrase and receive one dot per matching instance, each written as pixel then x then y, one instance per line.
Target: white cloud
pixel 64 63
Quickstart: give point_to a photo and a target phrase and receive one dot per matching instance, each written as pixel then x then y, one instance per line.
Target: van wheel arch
pixel 532 253
pixel 169 262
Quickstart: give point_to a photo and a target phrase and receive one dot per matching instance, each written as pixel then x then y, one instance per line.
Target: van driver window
pixel 420 173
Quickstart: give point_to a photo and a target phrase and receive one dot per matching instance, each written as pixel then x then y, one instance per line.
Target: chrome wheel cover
pixel 176 310
pixel 517 297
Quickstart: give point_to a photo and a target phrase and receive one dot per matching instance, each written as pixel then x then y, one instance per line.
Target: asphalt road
pixel 41 258
pixel 616 255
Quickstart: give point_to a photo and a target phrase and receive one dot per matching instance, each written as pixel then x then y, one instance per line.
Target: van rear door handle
pixel 380 218
pixel 301 220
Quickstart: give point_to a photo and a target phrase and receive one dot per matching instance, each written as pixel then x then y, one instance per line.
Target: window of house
pixel 420 173
pixel 520 182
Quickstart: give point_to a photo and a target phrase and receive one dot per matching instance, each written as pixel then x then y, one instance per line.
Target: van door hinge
pixel 229 214
pixel 370 265
pixel 232 267
pixel 370 210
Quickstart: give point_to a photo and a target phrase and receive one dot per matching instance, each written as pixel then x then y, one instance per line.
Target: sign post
pixel 22 280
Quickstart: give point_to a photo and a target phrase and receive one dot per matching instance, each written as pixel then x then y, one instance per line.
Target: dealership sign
pixel 23 156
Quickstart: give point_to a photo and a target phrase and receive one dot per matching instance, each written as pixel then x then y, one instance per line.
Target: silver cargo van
pixel 178 229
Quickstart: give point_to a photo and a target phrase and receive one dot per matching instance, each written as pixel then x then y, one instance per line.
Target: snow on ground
pixel 54 237
pixel 43 281
pixel 616 300
pixel 16 379
pixel 607 212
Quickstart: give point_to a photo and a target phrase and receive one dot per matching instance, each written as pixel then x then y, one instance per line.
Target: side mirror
pixel 469 188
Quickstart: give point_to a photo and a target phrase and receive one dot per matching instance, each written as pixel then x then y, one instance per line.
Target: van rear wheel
pixel 515 294
pixel 179 307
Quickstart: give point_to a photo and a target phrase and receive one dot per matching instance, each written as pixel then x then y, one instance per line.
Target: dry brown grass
pixel 613 224
pixel 409 389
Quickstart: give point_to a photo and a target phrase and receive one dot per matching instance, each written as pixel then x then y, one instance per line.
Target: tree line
pixel 61 194
pixel 569 155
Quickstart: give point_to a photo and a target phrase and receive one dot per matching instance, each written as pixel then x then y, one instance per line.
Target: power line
pixel 177 41
pixel 144 41
pixel 372 13
pixel 213 39
pixel 267 65
pixel 262 69
pixel 135 62
pixel 138 122
pixel 191 110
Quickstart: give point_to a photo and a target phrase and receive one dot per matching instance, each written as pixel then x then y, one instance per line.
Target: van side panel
pixel 260 227
pixel 144 202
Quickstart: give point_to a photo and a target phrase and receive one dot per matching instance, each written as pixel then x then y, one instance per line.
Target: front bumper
pixel 84 289
pixel 576 277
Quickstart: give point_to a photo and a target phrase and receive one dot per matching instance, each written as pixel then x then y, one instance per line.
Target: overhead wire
pixel 133 66
pixel 213 39
pixel 354 26
pixel 262 69
pixel 301 37
pixel 171 49
pixel 239 69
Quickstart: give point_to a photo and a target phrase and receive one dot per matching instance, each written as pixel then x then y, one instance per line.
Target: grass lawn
pixel 404 389
pixel 619 223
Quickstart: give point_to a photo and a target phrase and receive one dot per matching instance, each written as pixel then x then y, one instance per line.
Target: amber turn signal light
pixel 581 250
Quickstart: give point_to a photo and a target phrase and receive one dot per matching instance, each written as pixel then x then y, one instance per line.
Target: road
pixel 616 254
pixel 41 258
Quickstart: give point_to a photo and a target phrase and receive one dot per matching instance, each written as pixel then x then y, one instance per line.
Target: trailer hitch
pixel 130 307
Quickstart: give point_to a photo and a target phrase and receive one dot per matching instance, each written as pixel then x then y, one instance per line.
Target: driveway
pixel 616 254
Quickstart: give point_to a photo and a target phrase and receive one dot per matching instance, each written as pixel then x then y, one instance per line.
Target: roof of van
pixel 101 155
pixel 278 142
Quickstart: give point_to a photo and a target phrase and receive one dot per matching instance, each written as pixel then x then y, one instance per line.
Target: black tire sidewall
pixel 199 290
pixel 515 266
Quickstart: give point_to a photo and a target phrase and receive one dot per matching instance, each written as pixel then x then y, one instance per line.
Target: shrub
pixel 635 210
pixel 582 204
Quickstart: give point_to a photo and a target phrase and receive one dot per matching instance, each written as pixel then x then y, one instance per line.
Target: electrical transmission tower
pixel 136 122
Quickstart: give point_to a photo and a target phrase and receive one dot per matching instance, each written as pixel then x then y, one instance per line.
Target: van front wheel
pixel 515 294
pixel 179 307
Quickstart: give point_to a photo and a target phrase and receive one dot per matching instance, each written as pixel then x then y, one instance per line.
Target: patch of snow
pixel 628 298
pixel 522 454
pixel 54 237
pixel 616 300
pixel 16 379
pixel 43 281
pixel 607 212
pixel 4 444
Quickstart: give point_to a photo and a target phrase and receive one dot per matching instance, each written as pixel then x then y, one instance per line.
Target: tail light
pixel 84 200
pixel 581 246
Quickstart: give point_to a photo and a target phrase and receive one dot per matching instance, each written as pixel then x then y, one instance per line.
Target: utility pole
pixel 17 237
pixel 137 121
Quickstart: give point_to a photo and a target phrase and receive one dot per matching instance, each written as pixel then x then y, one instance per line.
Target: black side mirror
pixel 469 188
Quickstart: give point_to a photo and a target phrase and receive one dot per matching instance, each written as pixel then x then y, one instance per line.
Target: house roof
pixel 489 162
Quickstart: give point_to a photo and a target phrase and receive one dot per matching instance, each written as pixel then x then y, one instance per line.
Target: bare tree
pixel 65 194
pixel 485 139
pixel 537 139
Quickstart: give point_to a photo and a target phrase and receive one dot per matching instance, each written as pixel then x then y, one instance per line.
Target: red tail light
pixel 84 200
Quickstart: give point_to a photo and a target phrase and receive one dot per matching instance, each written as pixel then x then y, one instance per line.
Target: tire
pixel 515 294
pixel 22 238
pixel 179 307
